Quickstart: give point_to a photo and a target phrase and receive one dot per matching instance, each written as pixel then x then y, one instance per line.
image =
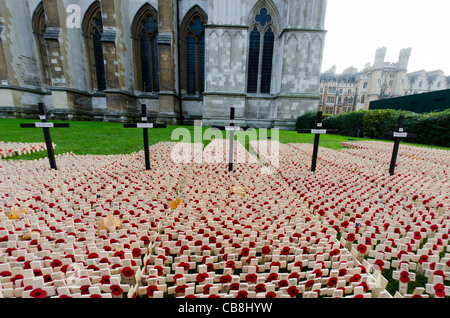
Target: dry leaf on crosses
pixel 174 204
pixel 109 221
pixel 27 236
pixel 15 215
pixel 240 191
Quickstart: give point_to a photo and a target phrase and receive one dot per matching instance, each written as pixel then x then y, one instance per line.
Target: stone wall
pixel 297 59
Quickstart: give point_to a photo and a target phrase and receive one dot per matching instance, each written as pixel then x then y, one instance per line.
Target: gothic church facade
pixel 185 59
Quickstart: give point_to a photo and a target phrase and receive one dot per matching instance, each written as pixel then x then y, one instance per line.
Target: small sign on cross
pixel 317 132
pixel 231 128
pixel 398 135
pixel 45 125
pixel 145 125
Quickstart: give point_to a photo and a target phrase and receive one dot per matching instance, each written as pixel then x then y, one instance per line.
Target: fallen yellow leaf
pixel 174 204
pixel 15 215
pixel 106 223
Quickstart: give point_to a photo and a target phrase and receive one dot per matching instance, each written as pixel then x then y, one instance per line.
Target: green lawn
pixel 98 138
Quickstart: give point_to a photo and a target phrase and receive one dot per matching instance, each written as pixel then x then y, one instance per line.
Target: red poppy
pixel 38 293
pixel 206 289
pixel 210 267
pixel 286 250
pixel 378 264
pixel 361 248
pixel 278 264
pixel 260 288
pixel 251 278
pixel 309 283
pixel 5 274
pixel 271 295
pixel 48 278
pixel 18 276
pixel 404 277
pixel 201 277
pixel 181 289
pixel 127 272
pixel 242 294
pixel 245 252
pixel 351 237
pixel 230 264
pixel 145 239
pixel 225 279
pixel 365 286
pixel 423 259
pixel 272 276
pixel 159 269
pixel 95 296
pixel 293 291
pixel 334 252
pixel 151 289
pixel 56 263
pixel 332 281
pixel 283 283
pixel 184 265
pixel 294 275
pixel 176 276
pixel 439 272
pixel 92 255
pixel 439 290
pixel 116 290
pixel 105 280
pixel 318 273
pixel 355 278
pixel 120 254
pixel 234 286
pixel 266 250
pixel 85 289
pixel 136 252
pixel 190 296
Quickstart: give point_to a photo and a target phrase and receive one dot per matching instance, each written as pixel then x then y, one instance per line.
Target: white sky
pixel 356 28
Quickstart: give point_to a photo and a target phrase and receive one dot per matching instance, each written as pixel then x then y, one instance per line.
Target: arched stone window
pixel 261 47
pixel 92 32
pixel 193 51
pixel 39 23
pixel 145 43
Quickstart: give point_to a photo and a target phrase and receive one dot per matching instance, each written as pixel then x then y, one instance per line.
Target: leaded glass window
pixel 98 54
pixel 149 56
pixel 260 59
pixel 195 56
pixel 145 35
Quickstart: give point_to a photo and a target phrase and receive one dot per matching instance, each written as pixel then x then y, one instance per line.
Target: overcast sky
pixel 356 28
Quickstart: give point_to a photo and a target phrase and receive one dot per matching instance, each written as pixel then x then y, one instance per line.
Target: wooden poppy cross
pixel 45 125
pixel 145 125
pixel 317 132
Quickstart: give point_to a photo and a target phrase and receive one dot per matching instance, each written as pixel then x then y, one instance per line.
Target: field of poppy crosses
pixel 101 226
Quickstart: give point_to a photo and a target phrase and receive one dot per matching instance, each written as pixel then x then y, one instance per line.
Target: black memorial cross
pixel 145 125
pixel 317 132
pixel 45 125
pixel 398 136
pixel 231 128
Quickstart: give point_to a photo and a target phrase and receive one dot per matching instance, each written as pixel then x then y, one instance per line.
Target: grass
pixel 98 138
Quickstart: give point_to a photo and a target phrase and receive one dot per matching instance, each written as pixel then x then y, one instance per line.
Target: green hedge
pixel 431 128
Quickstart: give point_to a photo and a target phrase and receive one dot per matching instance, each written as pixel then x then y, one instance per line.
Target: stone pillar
pixel 169 105
pixel 4 76
pixel 115 98
pixel 54 9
